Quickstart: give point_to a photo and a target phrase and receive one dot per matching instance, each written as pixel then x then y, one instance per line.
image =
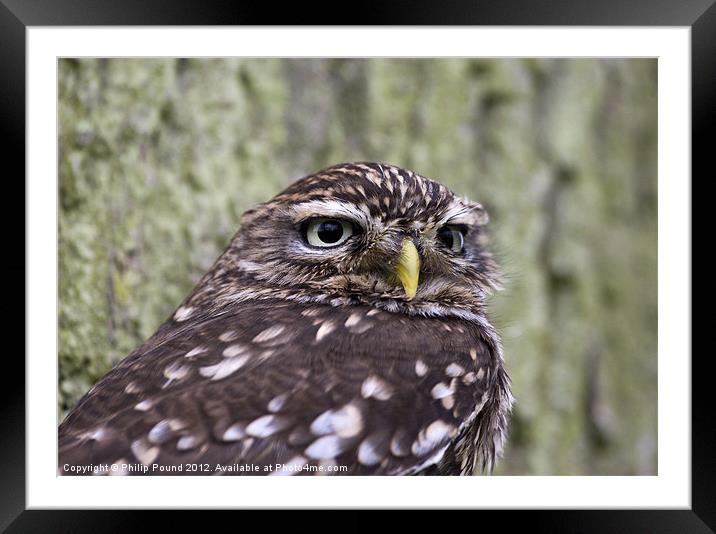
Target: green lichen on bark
pixel 159 157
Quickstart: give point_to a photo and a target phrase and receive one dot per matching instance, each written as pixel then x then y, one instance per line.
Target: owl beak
pixel 408 268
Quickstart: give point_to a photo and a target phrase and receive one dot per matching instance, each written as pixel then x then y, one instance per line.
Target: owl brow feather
pixel 452 215
pixel 327 208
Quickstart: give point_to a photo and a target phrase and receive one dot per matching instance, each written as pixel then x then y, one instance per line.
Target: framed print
pixel 545 151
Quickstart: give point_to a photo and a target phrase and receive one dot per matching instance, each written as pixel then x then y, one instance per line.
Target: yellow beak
pixel 408 268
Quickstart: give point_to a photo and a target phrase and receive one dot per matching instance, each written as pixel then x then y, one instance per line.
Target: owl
pixel 343 331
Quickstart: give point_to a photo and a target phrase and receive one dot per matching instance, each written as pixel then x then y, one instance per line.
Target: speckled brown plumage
pixel 313 357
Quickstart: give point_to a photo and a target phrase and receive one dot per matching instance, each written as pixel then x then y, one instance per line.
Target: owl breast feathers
pixel 343 331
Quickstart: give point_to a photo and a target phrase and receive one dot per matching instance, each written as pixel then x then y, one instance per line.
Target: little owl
pixel 343 331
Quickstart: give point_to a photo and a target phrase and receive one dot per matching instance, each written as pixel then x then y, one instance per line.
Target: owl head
pixel 367 233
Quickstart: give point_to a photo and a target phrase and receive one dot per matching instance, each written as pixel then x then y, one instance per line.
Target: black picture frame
pixel 699 15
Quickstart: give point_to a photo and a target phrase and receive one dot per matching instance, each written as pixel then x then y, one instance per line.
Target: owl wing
pixel 312 389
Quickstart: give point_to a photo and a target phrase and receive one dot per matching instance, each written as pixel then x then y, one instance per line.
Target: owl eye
pixel 327 232
pixel 453 237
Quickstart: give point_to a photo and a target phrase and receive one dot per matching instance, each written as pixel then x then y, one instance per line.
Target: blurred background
pixel 158 158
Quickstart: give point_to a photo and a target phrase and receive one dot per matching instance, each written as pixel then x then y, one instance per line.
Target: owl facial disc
pixel 408 268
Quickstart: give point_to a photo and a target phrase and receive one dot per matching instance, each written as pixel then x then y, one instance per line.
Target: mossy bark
pixel 159 157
